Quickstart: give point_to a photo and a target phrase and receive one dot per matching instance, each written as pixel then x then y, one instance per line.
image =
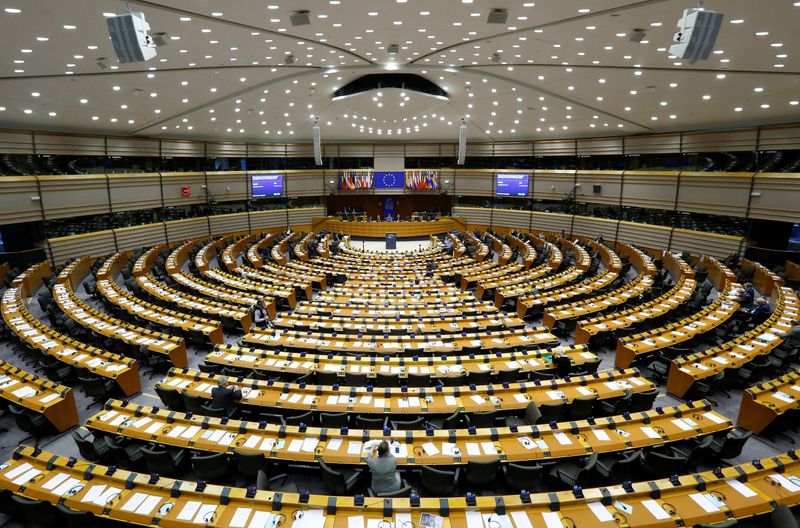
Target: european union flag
pixel 390 180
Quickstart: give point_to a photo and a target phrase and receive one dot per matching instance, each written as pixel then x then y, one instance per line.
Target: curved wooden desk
pixel 379 229
pixel 737 492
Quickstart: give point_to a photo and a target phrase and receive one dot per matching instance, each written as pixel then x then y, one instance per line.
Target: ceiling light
pixel 738 109
pixel 737 21
pixel 70 26
pixel 13 11
pixel 706 97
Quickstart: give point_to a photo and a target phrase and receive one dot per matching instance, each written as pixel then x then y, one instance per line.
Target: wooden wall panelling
pixel 74 195
pixel 18 199
pixel 554 222
pixel 178 230
pixel 720 140
pixel 653 144
pixel 226 149
pixel 228 186
pixel 610 183
pixel 301 219
pixel 644 235
pixel 139 147
pixel 718 193
pixel 779 197
pixel 650 189
pixel 263 220
pixel 474 182
pixel 70 145
pixel 474 215
pixel 130 192
pixel 552 184
pixel 511 218
pixel 94 244
pixel 229 223
pixel 592 227
pixel 304 183
pixel 134 237
pixel 16 142
pixel 172 184
pixel 557 147
pixel 779 138
pixel 600 147
pixel 176 148
pixel 700 243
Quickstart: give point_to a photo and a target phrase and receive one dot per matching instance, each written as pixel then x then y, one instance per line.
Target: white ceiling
pixel 563 71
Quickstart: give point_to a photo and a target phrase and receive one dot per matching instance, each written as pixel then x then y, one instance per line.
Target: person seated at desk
pixel 259 311
pixel 757 313
pixel 224 396
pixel 388 218
pixel 383 466
pixel 747 296
pixel 791 337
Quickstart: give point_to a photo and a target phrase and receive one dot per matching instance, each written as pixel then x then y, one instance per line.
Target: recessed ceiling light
pixel 737 21
pixel 765 106
pixel 706 97
pixel 721 76
pixel 28 111
pixel 216 14
pixel 762 33
pixel 70 26
pixel 758 89
pixel 42 39
pixel 35 94
pixel 51 114
pixel 95 118
pixel 738 109
pixel 794 103
pixel 13 11
pixel 84 101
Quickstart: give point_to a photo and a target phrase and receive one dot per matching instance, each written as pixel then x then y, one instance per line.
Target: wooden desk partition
pixel 40 395
pixel 413 401
pixel 737 492
pixel 379 229
pixel 527 443
pixel 767 400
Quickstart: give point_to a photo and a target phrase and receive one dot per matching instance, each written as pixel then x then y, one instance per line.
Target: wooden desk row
pixel 764 402
pixel 32 278
pixel 413 401
pixel 525 443
pixel 526 250
pixel 116 295
pixel 235 315
pixel 23 389
pixel 612 266
pixel 458 246
pixel 254 251
pixel 439 367
pixel 686 371
pixel 630 348
pixel 511 279
pixel 104 325
pixel 401 344
pixel 616 298
pixel 658 307
pixel 704 498
pixel 503 250
pixel 473 307
pixel 374 325
pixel 278 251
pixel 763 279
pixel 684 287
pixel 124 371
pixel 481 249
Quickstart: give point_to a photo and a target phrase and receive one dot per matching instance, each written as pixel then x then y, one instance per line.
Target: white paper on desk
pixel 263 519
pixel 49 398
pixel 682 425
pixel 521 519
pixel 714 417
pixel 148 505
pixel 703 502
pixel 55 481
pixel 488 448
pixel 310 519
pixel 309 445
pixel 134 502
pixel 785 482
pixel 520 398
pixel 66 486
pixel 743 489
pixel 552 520
pixel 400 520
pixel 227 439
pixel 601 435
pixel 204 513
pixel 478 399
pixel 93 492
pixel 655 509
pixel 308 400
pixel 334 444
pixel 473 449
pixel 118 420
pixel 177 431
pixel 430 449
pixel 782 396
pixel 601 512
pixel 474 519
pixel 451 401
pixel 562 438
pixel 153 428
pixel 584 391
pixel 355 521
pixel 190 431
pixel 252 441
pixel 380 403
pixel 332 400
pixel 106 496
pixel 554 394
pixel 651 433
pixel 240 518
pixel 267 444
pixel 295 445
pixel 354 448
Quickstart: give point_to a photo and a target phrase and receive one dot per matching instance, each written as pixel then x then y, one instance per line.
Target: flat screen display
pixel 512 184
pixel 267 185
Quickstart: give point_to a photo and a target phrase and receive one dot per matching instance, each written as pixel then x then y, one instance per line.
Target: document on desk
pixel 334 444
pixel 473 449
pixel 240 517
pixel 743 489
pixel 430 449
pixel 790 484
pixel 354 448
pixel 703 501
pixel 601 512
pixel 552 520
pixel 521 519
pixel 655 509
pixel 562 438
pixel 651 433
pixel 355 521
pixel 488 448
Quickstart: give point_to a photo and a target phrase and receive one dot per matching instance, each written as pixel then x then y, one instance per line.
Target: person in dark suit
pixel 225 396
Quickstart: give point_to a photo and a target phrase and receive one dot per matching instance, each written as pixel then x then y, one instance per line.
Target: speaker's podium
pixel 391 240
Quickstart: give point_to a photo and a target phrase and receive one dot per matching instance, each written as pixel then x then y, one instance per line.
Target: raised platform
pixel 379 229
